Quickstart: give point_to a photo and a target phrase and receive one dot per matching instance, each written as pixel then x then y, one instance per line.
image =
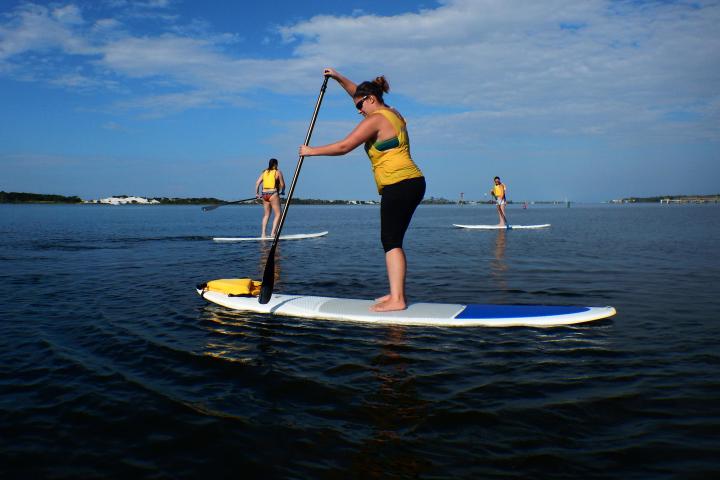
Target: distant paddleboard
pixel 297 236
pixel 429 314
pixel 498 227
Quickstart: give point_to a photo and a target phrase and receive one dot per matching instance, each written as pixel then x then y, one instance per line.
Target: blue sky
pixel 590 100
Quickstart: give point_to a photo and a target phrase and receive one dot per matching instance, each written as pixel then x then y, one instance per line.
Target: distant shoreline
pixel 714 198
pixel 23 197
pixel 39 198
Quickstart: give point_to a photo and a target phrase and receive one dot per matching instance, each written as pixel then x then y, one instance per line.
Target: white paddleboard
pixel 297 236
pixel 433 314
pixel 498 227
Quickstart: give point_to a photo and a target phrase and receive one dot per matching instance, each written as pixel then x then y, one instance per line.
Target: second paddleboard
pixel 297 236
pixel 499 227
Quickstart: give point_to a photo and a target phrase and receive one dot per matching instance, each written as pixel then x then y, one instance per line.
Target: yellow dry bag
pixel 233 287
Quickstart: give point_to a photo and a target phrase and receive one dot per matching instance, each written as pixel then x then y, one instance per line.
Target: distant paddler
pixel 498 192
pixel 399 181
pixel 268 187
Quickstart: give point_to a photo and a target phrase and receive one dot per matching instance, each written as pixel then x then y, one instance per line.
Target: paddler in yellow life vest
pixel 270 184
pixel 498 192
pixel 399 181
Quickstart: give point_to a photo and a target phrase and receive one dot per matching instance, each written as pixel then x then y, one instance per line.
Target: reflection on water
pixel 393 409
pixel 226 333
pixel 263 253
pixel 498 266
pixel 224 320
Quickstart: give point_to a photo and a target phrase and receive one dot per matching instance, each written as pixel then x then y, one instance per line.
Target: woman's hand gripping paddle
pixel 268 280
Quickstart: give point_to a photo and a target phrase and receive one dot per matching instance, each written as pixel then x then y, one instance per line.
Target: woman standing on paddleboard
pixel 498 192
pixel 272 182
pixel 399 181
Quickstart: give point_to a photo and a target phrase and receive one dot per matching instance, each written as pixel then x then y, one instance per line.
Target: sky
pixel 587 101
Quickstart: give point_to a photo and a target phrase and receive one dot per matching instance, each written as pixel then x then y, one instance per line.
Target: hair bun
pixel 384 85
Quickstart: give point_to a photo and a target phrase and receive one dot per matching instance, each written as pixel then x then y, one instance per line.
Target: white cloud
pixel 78 81
pixel 153 4
pixel 155 106
pixel 106 24
pixel 538 58
pixel 589 67
pixel 507 54
pixel 164 55
pixel 69 14
pixel 37 29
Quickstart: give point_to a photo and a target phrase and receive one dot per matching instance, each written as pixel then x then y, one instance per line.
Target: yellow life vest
pixel 499 190
pixel 269 179
pixel 390 159
pixel 234 287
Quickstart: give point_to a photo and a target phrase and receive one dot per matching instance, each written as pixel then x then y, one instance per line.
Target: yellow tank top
pixel 499 190
pixel 269 179
pixel 390 159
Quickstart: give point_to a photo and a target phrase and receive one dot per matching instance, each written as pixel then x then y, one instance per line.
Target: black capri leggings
pixel 397 206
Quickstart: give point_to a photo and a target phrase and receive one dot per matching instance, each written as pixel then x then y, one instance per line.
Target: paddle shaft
pixel 213 207
pixel 268 281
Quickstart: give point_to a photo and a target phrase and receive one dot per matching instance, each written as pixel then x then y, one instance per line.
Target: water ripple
pixel 106 352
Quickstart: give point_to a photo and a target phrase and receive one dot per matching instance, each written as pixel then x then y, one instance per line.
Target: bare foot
pixel 389 306
pixel 382 299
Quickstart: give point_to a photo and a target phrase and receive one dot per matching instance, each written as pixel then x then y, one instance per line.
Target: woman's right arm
pixel 344 82
pixel 367 130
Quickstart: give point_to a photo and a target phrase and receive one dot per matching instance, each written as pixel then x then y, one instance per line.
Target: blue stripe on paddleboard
pixel 474 311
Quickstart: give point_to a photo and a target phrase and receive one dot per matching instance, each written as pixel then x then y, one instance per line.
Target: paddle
pixel 268 280
pixel 213 207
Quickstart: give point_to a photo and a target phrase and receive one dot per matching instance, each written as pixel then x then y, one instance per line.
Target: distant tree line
pixel 437 201
pixel 21 197
pixel 689 198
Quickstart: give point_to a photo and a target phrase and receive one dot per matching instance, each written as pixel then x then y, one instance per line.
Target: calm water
pixel 111 366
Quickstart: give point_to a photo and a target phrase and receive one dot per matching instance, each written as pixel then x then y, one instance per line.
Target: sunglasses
pixel 359 104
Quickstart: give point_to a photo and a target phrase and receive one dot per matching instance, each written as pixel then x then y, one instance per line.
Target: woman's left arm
pixel 366 130
pixel 281 181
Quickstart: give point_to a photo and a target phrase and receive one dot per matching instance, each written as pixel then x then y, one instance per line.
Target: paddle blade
pixel 209 207
pixel 268 280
